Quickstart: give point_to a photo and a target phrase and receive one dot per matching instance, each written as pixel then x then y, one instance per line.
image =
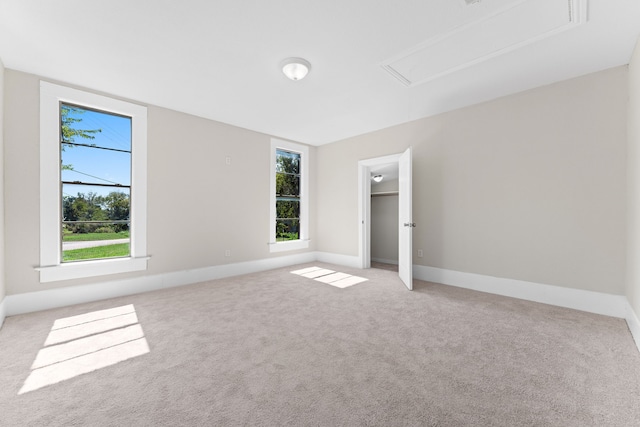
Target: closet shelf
pixel 384 193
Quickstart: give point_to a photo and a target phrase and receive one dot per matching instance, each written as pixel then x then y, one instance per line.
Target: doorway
pixel 405 224
pixel 384 216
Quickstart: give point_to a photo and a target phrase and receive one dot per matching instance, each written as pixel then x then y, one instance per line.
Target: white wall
pixel 198 206
pixel 384 228
pixel 2 272
pixel 633 212
pixel 529 187
pixel 384 222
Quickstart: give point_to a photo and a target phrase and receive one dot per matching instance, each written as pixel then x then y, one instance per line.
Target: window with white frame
pixel 92 184
pixel 95 152
pixel 287 195
pixel 289 199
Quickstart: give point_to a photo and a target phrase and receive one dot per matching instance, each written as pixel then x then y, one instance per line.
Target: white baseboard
pixel 3 311
pixel 594 302
pixel 634 324
pixel 578 299
pixel 60 297
pixel 344 260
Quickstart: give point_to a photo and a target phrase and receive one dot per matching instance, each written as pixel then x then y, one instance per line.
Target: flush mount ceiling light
pixel 295 68
pixel 377 178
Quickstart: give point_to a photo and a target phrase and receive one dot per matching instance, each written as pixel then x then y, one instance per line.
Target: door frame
pixel 364 205
pixel 405 219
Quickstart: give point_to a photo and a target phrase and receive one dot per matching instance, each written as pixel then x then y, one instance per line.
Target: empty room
pixel 337 213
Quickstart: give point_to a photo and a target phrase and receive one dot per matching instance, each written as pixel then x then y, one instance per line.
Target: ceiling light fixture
pixel 295 68
pixel 377 178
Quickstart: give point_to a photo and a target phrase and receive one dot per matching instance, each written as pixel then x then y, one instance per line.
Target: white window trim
pixel 51 267
pixel 303 242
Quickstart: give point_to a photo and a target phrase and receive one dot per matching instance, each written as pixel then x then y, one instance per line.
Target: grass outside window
pixel 97 252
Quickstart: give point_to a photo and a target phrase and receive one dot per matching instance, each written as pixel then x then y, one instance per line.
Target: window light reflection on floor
pixel 330 277
pixel 81 344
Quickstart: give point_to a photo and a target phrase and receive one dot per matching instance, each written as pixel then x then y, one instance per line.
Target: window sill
pixel 82 269
pixel 291 245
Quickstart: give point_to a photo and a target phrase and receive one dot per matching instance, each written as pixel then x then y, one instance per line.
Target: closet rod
pixel 384 193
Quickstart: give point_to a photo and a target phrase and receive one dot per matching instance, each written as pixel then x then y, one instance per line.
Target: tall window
pixel 287 196
pixel 289 220
pixel 93 180
pixel 95 149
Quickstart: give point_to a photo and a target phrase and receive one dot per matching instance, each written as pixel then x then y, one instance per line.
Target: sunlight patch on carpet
pixel 330 277
pixel 81 344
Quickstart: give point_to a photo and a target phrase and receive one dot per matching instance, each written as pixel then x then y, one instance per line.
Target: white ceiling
pixel 389 173
pixel 219 58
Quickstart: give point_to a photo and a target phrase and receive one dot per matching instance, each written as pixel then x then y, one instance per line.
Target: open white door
pixel 405 252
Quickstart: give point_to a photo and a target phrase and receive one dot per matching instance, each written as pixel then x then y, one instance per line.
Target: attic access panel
pixel 520 24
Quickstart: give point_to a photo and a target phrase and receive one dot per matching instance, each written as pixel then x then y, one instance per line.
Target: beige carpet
pixel 384 266
pixel 276 349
